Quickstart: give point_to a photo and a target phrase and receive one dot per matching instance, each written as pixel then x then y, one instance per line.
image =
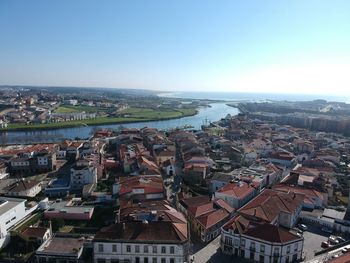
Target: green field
pixel 133 115
pixel 72 109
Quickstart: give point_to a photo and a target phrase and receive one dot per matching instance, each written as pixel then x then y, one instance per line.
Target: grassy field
pixel 133 115
pixel 72 109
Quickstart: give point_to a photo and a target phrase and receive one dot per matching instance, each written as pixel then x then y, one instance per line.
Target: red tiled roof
pixel 195 201
pixel 150 232
pixel 21 185
pixel 237 224
pixel 202 209
pixel 224 205
pixel 309 193
pixel 271 233
pixel 269 204
pixel 259 229
pixel 238 190
pixel 150 184
pixel 212 218
pixel 37 232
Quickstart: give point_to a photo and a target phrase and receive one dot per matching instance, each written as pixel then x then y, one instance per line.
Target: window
pixel 236 242
pixel 154 249
pixel 137 260
pixel 172 260
pixel 145 249
pixel 154 260
pixel 295 257
pixel 114 260
pixel 296 247
pixel 163 250
pixel 114 248
pixel 145 260
pixel 288 249
pixel 252 245
pixel 137 249
pixel 251 255
pixel 101 261
pixel 172 250
pixel 261 259
pixel 228 241
pixel 128 248
pixel 262 248
pixel 163 260
pixel 100 247
pixel 243 242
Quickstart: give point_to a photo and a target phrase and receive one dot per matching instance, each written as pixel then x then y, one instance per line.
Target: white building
pixel 82 173
pixel 260 241
pixel 12 211
pixel 136 242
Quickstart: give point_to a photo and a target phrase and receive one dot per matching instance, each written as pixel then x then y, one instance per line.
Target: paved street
pixel 313 238
pixel 211 253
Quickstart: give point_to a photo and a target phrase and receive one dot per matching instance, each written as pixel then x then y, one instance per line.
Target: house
pixel 260 241
pixel 32 161
pixel 61 249
pixel 150 210
pixel 37 235
pixel 138 188
pixel 82 173
pixel 237 193
pixel 146 166
pixel 71 149
pixel 274 207
pixel 313 199
pixel 58 187
pixel 283 158
pixel 24 188
pixel 69 210
pixel 169 167
pixel 142 241
pixel 205 216
pixel 162 155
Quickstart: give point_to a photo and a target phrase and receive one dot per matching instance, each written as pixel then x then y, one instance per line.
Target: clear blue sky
pixel 271 46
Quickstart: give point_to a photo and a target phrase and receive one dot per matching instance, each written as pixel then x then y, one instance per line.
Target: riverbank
pixel 135 117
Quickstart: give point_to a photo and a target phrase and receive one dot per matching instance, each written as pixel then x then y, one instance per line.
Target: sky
pixel 184 45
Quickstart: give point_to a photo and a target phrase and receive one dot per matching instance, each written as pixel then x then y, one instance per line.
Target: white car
pixel 302 227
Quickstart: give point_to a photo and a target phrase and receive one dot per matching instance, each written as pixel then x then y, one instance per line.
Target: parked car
pixel 344 250
pixel 302 227
pixel 341 239
pixel 325 244
pixel 333 240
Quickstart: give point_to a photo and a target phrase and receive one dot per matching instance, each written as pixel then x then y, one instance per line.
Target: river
pixel 205 115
